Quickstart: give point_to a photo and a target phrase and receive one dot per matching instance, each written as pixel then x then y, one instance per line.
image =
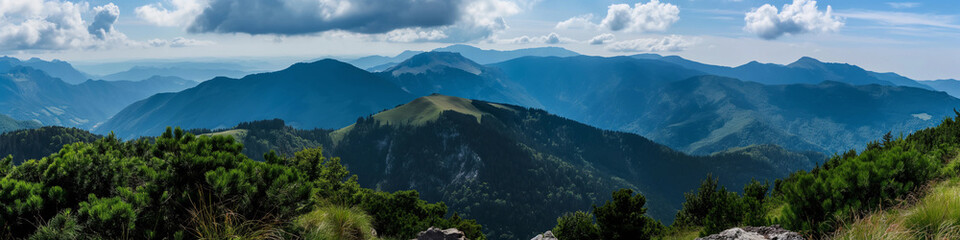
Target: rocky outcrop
pixel 545 236
pixel 755 233
pixel 433 233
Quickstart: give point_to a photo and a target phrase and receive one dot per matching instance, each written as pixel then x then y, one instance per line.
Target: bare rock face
pixel 437 234
pixel 755 233
pixel 545 236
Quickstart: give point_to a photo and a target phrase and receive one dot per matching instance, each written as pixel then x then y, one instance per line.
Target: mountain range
pixel 194 74
pixel 485 160
pixel 949 86
pixel 322 94
pixel 686 109
pixel 55 68
pixel 483 56
pixel 31 94
pixel 808 70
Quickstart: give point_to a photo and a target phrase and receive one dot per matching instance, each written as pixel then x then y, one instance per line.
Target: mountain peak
pixel 457 48
pixel 320 64
pixel 806 62
pixel 436 61
pixel 429 108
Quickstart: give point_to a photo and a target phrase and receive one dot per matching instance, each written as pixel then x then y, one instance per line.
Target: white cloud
pixel 178 42
pixel 672 43
pixel 552 38
pixel 643 17
pixel 578 22
pixel 57 25
pixel 413 35
pixel 800 17
pixel 182 12
pixel 601 39
pixel 901 5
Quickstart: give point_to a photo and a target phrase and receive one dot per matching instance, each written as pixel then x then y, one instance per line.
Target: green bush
pixel 576 226
pixel 183 186
pixel 625 217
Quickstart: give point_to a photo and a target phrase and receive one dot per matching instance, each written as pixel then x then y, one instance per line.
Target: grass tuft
pixel 336 223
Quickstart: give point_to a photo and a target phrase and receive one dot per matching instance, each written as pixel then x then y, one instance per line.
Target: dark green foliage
pixel 144 190
pixel 576 225
pixel 850 184
pixel 41 142
pixel 113 218
pixel 64 226
pixel 715 209
pixel 625 217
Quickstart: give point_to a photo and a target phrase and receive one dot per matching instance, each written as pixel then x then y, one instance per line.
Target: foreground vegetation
pixel 848 197
pixel 179 186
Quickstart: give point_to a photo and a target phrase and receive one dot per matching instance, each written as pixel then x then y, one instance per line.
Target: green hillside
pixel 40 142
pixel 8 124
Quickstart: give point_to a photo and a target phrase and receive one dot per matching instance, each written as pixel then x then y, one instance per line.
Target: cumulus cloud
pixel 390 20
pixel 103 20
pixel 178 42
pixel 601 39
pixel 672 43
pixel 578 22
pixel 57 25
pixel 642 17
pixel 181 13
pixel 802 16
pixel 552 38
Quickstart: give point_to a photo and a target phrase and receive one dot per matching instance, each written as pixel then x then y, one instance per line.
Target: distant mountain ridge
pixel 322 94
pixel 379 63
pixel 55 68
pixel 699 114
pixel 30 94
pixel 488 56
pixel 805 70
pixel 195 74
pixel 453 74
pixel 950 86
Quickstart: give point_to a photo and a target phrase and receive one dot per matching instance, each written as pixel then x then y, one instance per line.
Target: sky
pixel 918 39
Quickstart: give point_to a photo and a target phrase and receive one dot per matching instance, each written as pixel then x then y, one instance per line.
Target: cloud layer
pixel 56 25
pixel 390 20
pixel 672 43
pixel 552 38
pixel 802 16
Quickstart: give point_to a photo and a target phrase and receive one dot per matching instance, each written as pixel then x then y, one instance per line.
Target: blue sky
pixel 916 38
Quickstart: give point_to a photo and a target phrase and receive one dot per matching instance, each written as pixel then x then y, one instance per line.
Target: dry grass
pixel 214 221
pixel 935 216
